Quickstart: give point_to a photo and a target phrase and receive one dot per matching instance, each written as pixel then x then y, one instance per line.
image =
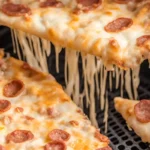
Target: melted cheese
pixel 94 73
pixel 34 50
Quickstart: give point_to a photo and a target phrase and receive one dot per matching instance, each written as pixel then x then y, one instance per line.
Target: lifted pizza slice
pixel 116 31
pixel 36 114
pixel 137 115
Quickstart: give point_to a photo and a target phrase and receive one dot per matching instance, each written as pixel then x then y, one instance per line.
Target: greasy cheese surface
pixel 85 31
pixel 126 108
pixel 41 92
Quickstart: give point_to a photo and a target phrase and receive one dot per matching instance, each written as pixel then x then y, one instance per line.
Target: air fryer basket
pixel 121 138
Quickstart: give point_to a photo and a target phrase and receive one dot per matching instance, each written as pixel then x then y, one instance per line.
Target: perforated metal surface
pixel 121 138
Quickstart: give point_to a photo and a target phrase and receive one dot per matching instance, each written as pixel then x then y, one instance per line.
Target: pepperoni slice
pixel 122 1
pixel 53 113
pixel 100 137
pixel 4 106
pixel 51 3
pixel 142 111
pixel 59 135
pixel 14 88
pixel 142 40
pixel 105 148
pixel 55 145
pixel 118 25
pixel 19 136
pixel 11 9
pixel 2 148
pixel 89 3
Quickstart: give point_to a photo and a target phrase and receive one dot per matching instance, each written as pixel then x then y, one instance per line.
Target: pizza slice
pixel 117 31
pixel 137 115
pixel 36 114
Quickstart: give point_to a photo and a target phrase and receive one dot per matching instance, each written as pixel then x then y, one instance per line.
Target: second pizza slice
pixel 136 114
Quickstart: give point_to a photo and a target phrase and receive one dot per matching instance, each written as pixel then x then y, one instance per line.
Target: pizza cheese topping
pixel 127 1
pixel 142 111
pixel 141 41
pixel 59 135
pixel 122 1
pixel 29 71
pixel 53 113
pixel 13 89
pixel 7 120
pixel 26 66
pixel 51 3
pixel 3 66
pixel 2 148
pixel 15 9
pixel 19 109
pixel 55 145
pixel 87 5
pixel 19 136
pixel 5 105
pixel 118 25
pixel 74 123
pixel 105 148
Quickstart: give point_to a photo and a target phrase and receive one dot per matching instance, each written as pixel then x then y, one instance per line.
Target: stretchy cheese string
pixel 57 51
pixel 117 73
pixel 136 81
pixel 121 82
pixel 128 84
pixel 35 52
pixel 106 114
pixel 110 81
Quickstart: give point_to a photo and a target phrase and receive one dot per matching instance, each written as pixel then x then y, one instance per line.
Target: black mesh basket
pixel 121 138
